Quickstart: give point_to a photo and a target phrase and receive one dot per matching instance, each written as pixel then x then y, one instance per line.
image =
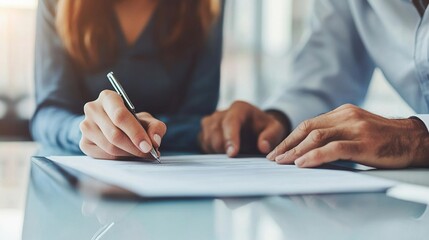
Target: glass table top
pixel 63 204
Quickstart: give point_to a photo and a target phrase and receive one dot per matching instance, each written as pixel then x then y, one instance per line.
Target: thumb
pixel 270 137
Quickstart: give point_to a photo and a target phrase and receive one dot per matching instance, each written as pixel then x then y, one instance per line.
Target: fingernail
pixel 280 157
pixel 157 139
pixel 230 150
pixel 300 161
pixel 145 147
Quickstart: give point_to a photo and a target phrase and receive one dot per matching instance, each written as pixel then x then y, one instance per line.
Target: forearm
pixel 57 128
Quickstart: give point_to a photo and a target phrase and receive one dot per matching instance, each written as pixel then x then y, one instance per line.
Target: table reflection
pixel 61 205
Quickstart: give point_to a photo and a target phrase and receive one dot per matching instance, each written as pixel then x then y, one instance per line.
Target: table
pixel 14 173
pixel 63 205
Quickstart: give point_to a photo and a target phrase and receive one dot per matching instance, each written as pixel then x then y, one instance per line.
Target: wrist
pixel 420 156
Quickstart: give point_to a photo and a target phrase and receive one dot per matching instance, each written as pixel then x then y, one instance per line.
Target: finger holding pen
pixel 98 128
pixel 110 131
pixel 136 132
pixel 120 90
pixel 154 128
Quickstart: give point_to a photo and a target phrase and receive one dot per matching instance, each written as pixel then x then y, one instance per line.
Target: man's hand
pixel 221 131
pixel 351 133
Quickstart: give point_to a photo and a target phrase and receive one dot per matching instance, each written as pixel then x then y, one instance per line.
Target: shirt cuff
pixel 424 118
pixel 74 134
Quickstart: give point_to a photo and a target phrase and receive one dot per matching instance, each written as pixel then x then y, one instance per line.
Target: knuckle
pixel 282 146
pixel 105 94
pixel 305 126
pixel 276 150
pixel 363 126
pixel 162 126
pixel 296 151
pixel 353 113
pixel 84 126
pixel 347 106
pixel 317 136
pixel 119 116
pixel 115 136
pixel 237 104
pixel 88 107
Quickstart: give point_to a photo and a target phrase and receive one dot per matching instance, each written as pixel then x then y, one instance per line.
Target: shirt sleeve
pixel 424 118
pixel 330 68
pixel 201 97
pixel 55 123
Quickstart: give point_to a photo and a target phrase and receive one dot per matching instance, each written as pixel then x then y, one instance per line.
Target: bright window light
pixel 18 3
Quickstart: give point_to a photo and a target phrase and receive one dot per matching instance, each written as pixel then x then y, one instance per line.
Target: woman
pixel 166 54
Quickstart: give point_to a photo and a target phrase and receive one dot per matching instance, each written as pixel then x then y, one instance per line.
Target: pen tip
pixel 155 155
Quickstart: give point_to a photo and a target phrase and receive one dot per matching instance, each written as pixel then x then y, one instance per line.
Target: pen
pixel 120 90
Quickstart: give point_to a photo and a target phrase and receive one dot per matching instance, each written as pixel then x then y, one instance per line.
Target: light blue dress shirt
pixel 347 40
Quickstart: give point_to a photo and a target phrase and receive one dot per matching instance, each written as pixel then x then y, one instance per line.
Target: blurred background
pixel 260 36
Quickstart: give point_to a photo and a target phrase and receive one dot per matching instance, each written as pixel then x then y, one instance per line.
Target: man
pixel 348 39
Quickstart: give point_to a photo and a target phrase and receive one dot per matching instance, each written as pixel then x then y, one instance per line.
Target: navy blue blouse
pixel 179 94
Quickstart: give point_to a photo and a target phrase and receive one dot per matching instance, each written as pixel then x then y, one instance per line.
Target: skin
pixel 133 16
pixel 109 130
pixel 347 133
pixel 221 131
pixel 351 133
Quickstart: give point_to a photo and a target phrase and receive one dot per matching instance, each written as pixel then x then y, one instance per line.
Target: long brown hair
pixel 85 27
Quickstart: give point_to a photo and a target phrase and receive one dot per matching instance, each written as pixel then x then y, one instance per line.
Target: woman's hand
pixel 351 133
pixel 111 131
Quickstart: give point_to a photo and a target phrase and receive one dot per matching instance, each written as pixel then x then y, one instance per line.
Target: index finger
pixel 300 133
pixel 231 127
pixel 115 108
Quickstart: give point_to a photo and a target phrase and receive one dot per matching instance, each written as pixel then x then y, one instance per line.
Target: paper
pixel 219 176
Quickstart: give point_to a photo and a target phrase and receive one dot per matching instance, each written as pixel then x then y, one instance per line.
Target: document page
pixel 220 176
